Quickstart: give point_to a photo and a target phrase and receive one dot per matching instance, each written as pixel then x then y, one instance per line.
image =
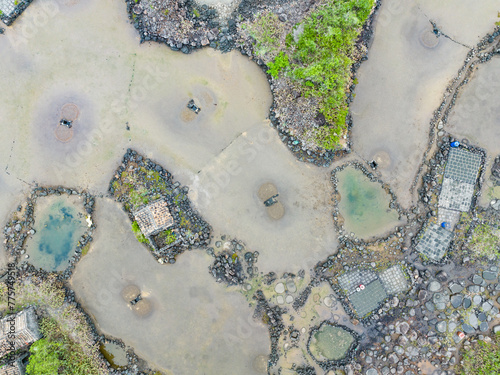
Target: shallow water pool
pixel 364 205
pixel 59 224
pixel 331 343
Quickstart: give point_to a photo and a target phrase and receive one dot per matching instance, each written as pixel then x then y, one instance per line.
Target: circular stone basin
pixel 130 292
pixel 143 308
pixel 276 211
pixel 429 39
pixel 279 288
pixel 330 343
pixel 382 159
pixel 259 364
pixel 70 112
pixel 266 191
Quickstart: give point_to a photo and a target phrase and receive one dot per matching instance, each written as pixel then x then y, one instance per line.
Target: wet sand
pixel 195 327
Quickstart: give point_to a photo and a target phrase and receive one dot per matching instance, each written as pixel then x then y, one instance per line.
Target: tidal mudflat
pixel 218 335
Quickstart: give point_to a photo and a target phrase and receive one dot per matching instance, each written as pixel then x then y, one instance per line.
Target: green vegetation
pixel 165 12
pixel 58 353
pixel 280 63
pixel 486 240
pixel 267 30
pixel 168 236
pixel 85 249
pixel 196 13
pixel 482 358
pixel 318 55
pixel 138 234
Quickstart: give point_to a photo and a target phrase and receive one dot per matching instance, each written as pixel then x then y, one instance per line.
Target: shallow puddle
pixel 59 224
pixel 364 205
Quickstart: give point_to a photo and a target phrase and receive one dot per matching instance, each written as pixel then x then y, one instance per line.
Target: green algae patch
pixel 364 204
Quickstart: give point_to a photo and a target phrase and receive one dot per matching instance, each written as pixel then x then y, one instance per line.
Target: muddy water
pixel 195 327
pixel 402 83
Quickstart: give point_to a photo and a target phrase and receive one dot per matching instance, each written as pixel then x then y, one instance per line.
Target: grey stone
pixel 441 326
pixel 430 306
pixel 393 358
pixel 456 288
pixel 496 329
pixel 478 280
pixel 489 275
pixel 481 316
pixel 442 276
pixel 468 329
pixel 466 303
pixel 456 300
pixel 486 306
pixel 483 327
pixel 473 321
pixel 476 300
pixel 474 288
pixel 398 350
pixel 434 286
pixel 440 306
pixel 452 326
pixel 371 371
pixel 403 328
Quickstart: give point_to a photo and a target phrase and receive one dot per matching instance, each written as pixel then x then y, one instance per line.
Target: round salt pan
pixel 143 308
pixel 280 300
pixel 382 159
pixel 289 299
pixel 428 39
pixel 279 288
pixel 63 133
pixel 266 191
pixel 130 292
pixel 187 115
pixel 290 286
pixel 70 112
pixel 328 301
pixel 276 211
pixel 259 364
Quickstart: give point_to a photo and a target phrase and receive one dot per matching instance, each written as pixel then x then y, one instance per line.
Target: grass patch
pixel 318 55
pixel 482 358
pixel 85 249
pixel 138 234
pixel 168 237
pixel 486 240
pixel 58 353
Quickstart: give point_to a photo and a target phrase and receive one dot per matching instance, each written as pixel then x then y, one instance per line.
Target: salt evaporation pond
pixel 59 224
pixel 364 204
pixel 330 343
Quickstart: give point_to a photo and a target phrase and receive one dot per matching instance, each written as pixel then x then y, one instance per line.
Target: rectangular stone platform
pixel 435 242
pixel 462 165
pixel 368 299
